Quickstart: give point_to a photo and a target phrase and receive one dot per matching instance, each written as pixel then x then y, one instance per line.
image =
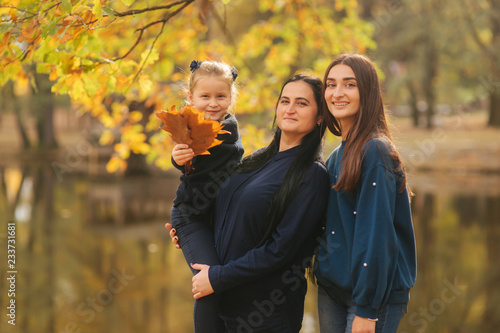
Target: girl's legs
pixel 335 318
pixel 197 243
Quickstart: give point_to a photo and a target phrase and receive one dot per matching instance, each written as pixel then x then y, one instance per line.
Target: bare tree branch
pixel 164 21
pixel 149 9
pixel 31 14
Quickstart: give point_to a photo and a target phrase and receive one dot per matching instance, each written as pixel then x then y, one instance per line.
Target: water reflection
pixel 93 256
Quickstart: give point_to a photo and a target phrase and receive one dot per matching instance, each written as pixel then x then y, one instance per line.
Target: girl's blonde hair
pixel 216 69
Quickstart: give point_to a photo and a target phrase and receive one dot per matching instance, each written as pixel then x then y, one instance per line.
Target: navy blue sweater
pixel 199 187
pixel 368 251
pixel 249 273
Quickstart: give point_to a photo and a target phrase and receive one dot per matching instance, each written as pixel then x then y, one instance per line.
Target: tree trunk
pixel 136 163
pixel 494 119
pixel 494 89
pixel 413 103
pixel 10 101
pixel 366 9
pixel 22 130
pixel 43 106
pixel 431 67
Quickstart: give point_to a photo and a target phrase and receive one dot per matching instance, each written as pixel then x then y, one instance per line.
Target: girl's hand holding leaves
pixel 190 127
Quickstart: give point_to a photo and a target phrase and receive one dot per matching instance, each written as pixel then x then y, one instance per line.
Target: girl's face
pixel 212 96
pixel 297 111
pixel 342 96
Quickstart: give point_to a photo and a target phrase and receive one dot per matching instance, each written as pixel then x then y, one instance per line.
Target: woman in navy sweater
pixel 366 263
pixel 268 220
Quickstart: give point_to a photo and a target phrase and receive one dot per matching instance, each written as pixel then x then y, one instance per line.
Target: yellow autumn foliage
pixel 107 58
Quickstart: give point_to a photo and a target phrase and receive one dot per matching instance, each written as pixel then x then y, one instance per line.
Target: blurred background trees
pixel 120 61
pixel 438 56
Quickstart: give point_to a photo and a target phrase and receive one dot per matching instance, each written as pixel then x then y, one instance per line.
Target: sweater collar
pixel 286 153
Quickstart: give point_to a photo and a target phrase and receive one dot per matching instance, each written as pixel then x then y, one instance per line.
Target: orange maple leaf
pixel 189 126
pixel 176 125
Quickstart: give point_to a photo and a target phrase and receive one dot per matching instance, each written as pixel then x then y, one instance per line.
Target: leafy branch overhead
pixel 120 61
pixel 27 28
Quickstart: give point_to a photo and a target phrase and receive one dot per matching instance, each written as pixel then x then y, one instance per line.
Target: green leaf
pixel 111 83
pixel 43 68
pixel 66 6
pixel 6 26
pixel 128 2
pixel 78 89
pixel 97 10
pixel 108 11
pixel 149 58
pixel 51 28
pixel 90 85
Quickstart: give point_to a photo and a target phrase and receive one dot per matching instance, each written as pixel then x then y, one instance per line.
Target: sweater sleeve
pixel 299 224
pixel 374 256
pixel 230 124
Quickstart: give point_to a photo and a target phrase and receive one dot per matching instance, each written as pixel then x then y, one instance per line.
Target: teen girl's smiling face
pixel 297 111
pixel 342 96
pixel 212 96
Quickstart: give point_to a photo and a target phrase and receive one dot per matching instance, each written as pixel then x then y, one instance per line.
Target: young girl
pixel 367 262
pixel 211 90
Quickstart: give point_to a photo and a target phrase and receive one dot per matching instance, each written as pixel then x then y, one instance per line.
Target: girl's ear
pixel 190 98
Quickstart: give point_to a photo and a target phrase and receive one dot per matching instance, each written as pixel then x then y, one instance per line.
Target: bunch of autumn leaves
pixel 190 127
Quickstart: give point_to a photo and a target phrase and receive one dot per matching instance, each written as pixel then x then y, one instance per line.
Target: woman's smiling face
pixel 342 95
pixel 297 111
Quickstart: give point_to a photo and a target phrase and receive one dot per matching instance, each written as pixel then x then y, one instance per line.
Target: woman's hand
pixel 201 281
pixel 182 153
pixel 363 325
pixel 175 239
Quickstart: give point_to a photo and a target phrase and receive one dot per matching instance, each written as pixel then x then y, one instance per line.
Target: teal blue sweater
pixel 367 254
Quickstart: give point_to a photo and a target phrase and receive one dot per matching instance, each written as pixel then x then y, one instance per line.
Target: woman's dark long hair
pixel 308 151
pixel 370 121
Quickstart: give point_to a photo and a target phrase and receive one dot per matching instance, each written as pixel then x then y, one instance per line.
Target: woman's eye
pixel 351 85
pixel 330 85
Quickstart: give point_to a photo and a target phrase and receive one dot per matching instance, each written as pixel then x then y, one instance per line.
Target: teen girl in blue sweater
pixel 366 264
pixel 211 91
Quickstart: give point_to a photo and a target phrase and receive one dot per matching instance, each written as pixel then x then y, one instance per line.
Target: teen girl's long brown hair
pixel 370 121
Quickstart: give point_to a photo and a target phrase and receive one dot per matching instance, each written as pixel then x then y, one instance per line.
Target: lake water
pixel 92 255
